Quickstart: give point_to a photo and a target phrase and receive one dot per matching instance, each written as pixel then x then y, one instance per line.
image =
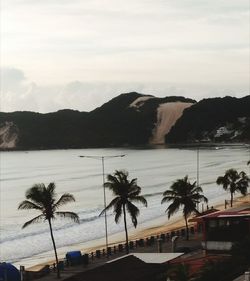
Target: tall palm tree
pixel 234 182
pixel 184 194
pixel 43 199
pixel 125 193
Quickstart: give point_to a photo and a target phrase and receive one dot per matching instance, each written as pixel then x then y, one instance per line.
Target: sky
pixel 78 54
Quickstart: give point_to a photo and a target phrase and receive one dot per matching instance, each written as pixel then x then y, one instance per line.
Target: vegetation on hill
pixel 116 123
pixel 201 121
pixel 113 124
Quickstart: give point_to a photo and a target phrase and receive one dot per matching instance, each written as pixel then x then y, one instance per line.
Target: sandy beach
pixel 176 223
pixel 156 229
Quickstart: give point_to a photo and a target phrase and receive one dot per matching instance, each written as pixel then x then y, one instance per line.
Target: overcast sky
pixel 80 53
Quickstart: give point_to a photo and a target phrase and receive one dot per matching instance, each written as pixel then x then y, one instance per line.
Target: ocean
pixel 155 168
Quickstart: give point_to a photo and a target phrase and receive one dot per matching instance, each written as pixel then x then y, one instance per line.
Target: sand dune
pixel 140 101
pixel 8 135
pixel 167 115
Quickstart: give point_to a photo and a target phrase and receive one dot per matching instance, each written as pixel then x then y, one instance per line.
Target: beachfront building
pixel 222 228
pixel 222 131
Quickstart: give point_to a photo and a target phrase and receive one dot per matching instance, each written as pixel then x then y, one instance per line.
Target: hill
pixel 129 119
pixel 214 119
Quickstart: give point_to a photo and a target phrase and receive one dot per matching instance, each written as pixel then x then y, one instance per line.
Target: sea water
pixel 155 169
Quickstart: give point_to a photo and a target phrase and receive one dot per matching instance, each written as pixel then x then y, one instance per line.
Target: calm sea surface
pixel 155 170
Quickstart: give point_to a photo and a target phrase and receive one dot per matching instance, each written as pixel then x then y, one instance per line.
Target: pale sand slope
pixel 167 115
pixel 8 135
pixel 155 229
pixel 140 101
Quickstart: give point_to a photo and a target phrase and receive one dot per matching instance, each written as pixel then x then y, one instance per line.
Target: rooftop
pixel 129 268
pixel 152 257
pixel 243 211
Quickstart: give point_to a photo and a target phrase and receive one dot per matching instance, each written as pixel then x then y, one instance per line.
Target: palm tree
pixel 184 194
pixel 125 193
pixel 43 199
pixel 234 182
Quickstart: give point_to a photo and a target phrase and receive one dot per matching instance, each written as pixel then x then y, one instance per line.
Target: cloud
pixel 11 78
pixel 79 54
pixel 18 93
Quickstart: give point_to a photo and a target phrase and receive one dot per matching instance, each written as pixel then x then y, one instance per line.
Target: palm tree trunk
pixel 54 245
pixel 187 231
pixel 126 230
pixel 232 198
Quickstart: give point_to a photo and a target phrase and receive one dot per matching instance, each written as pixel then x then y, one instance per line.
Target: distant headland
pixel 130 119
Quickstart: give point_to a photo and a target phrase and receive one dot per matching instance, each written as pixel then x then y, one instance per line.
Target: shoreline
pixel 139 146
pixel 146 231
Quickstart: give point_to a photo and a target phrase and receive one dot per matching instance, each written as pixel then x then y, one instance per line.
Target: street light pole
pixel 198 166
pixel 198 172
pixel 105 205
pixel 102 158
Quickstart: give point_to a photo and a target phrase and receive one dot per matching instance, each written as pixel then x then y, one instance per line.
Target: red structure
pixel 221 228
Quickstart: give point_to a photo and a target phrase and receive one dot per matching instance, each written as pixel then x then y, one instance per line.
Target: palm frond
pixel 242 174
pixel 118 211
pixel 42 198
pixel 234 181
pixel 139 199
pixel 224 181
pixel 198 198
pixel 51 187
pixel 113 184
pixel 173 208
pixel 122 175
pixel 27 205
pixel 64 199
pixel 164 199
pixel 133 182
pixel 169 199
pixel 51 191
pixel 126 192
pixel 134 192
pixel 70 215
pixel 34 220
pixel 184 194
pixel 242 185
pixel 189 208
pixel 36 193
pixel 196 189
pixel 169 192
pixel 112 204
pixel 133 188
pixel 133 212
pixel 112 179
